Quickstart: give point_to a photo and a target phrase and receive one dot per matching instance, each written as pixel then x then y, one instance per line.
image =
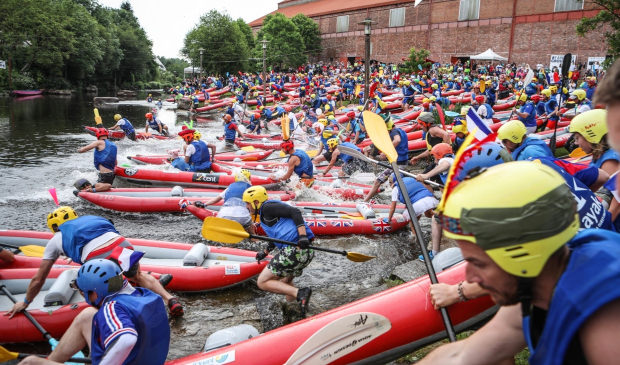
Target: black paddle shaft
pixel 28 315
pixel 265 238
pixel 565 68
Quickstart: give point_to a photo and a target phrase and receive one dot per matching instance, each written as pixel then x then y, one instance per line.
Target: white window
pixel 568 5
pixel 342 24
pixel 397 17
pixel 469 9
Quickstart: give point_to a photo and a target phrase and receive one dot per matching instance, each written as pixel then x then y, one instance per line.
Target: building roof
pixel 324 7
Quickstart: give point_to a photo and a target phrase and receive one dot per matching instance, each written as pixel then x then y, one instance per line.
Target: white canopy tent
pixel 191 71
pixel 488 55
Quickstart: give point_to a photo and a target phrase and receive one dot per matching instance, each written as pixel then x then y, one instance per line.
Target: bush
pixel 23 82
pixel 58 83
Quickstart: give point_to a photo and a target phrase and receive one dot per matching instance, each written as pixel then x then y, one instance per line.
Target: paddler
pixel 590 132
pixel 234 208
pixel 230 131
pixel 86 238
pixel 104 159
pixel 255 123
pixel 155 124
pixel 443 157
pixel 433 134
pixel 281 221
pixel 298 162
pixel 484 110
pixel 526 113
pixel 513 137
pixel 558 287
pixel 196 157
pixel 125 125
pixel 125 325
pixel 349 164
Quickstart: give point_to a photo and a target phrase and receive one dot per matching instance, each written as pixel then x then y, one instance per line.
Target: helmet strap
pixel 524 295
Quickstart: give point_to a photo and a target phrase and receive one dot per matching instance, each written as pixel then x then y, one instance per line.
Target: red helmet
pixel 440 150
pixel 148 116
pixel 287 145
pixel 351 115
pixel 99 132
pixel 535 98
pixel 425 105
pixel 227 118
pixel 480 99
pixel 256 115
pixel 187 135
pixel 329 97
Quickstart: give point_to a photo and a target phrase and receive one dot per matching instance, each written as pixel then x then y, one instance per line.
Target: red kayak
pixel 181 178
pixel 158 199
pixel 377 329
pixel 119 134
pixel 224 156
pixel 194 267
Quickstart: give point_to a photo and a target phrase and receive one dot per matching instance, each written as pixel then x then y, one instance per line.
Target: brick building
pixel 525 31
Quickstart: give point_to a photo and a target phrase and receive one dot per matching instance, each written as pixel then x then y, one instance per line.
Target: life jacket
pixel 431 141
pixel 415 190
pixel 77 232
pixel 153 123
pixel 127 127
pixel 236 190
pixel 531 148
pixel 147 313
pixel 590 281
pixel 201 159
pixel 230 133
pixel 403 146
pixel 489 109
pixel 550 107
pixel 284 229
pixel 305 166
pixel 344 157
pixel 106 157
pixel 530 121
pixel 607 156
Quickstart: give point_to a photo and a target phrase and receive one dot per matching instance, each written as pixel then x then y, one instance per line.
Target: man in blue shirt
pixel 104 159
pixel 526 113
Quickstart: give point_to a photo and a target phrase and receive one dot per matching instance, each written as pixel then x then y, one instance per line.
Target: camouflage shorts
pixel 290 261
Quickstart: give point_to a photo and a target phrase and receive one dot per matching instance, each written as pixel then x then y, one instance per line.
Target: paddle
pixel 231 232
pixel 97 117
pixel 378 133
pixel 6 355
pixel 28 250
pixel 357 154
pixel 577 152
pixel 565 67
pixel 52 341
pixel 526 81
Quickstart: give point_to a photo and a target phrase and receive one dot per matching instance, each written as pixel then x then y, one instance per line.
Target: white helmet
pixel 318 125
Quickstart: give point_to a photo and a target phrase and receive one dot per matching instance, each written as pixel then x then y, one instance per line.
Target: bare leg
pixel 77 336
pixel 147 281
pixel 373 191
pixel 267 281
pixel 435 234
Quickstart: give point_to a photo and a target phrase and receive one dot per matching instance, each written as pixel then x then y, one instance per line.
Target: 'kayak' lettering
pixel 352 343
pixel 361 321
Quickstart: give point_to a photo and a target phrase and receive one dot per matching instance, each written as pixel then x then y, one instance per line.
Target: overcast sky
pixel 167 21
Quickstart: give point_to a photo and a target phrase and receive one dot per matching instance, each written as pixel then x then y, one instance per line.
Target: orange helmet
pixel 148 116
pixel 187 135
pixel 440 150
pixel 287 145
pixel 227 118
pixel 101 132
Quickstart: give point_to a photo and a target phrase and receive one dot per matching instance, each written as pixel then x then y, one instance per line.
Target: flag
pixel 126 257
pixel 476 125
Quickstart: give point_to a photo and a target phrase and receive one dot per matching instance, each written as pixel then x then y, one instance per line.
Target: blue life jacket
pixel 268 114
pixel 415 190
pixel 531 148
pixel 590 92
pixel 201 159
pixel 592 214
pixel 279 110
pixel 540 108
pixel 590 281
pixel 236 190
pixel 106 157
pixel 607 155
pixel 550 108
pixel 149 317
pixel 403 146
pixel 127 127
pixel 230 111
pixel 490 111
pixel 305 166
pixel 458 142
pixel 529 108
pixel 229 133
pixel 255 123
pixel 530 89
pixel 285 229
pixel 77 232
pixel 153 123
pixel 344 157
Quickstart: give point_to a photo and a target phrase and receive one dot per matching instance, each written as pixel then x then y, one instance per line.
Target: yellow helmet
pixel 313 96
pixel 434 86
pixel 522 97
pixel 433 98
pixel 553 89
pixel 243 175
pixel 328 133
pixel 460 128
pixel 323 121
pixel 592 125
pixel 488 82
pixel 117 117
pixel 197 135
pixel 407 82
pixel 60 216
pixel 514 131
pixel 389 124
pixel 332 143
pixel 464 110
pixel 546 92
pixel 580 94
pixel 255 193
pixel 426 100
pixel 514 229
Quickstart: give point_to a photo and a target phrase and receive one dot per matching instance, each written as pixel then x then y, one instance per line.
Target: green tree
pixel 224 44
pixel 310 33
pixel 417 59
pixel 247 32
pixel 285 47
pixel 174 65
pixel 610 15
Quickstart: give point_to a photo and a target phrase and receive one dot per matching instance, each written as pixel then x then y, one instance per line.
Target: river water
pixel 39 138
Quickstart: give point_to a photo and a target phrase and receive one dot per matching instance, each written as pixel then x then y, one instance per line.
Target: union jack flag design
pixel 380 226
pixel 342 223
pixel 314 222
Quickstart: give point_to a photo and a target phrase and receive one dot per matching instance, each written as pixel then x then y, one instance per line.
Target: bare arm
pixel 6 256
pixel 438 132
pixel 443 166
pixel 599 335
pixel 212 147
pixel 335 155
pixel 212 201
pixel 34 287
pixel 601 179
pixel 392 209
pixel 443 295
pixel 292 162
pixel 498 340
pixel 89 147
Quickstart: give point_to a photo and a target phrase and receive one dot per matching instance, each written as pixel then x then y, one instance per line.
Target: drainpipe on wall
pixel 512 29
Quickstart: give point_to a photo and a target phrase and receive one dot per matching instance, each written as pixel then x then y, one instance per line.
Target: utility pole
pixel 264 42
pixel 201 67
pixel 367 23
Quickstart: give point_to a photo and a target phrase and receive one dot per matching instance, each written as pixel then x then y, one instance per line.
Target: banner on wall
pixel 556 61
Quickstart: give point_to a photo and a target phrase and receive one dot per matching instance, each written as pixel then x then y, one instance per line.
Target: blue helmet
pixel 101 276
pixel 487 155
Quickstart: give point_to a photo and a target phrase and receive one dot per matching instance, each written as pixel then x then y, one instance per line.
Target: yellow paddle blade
pixel 248 148
pixel 378 133
pixel 483 86
pixel 223 230
pixel 285 124
pixel 97 117
pixel 359 257
pixel 577 152
pixel 32 250
pixel 6 355
pixel 312 153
